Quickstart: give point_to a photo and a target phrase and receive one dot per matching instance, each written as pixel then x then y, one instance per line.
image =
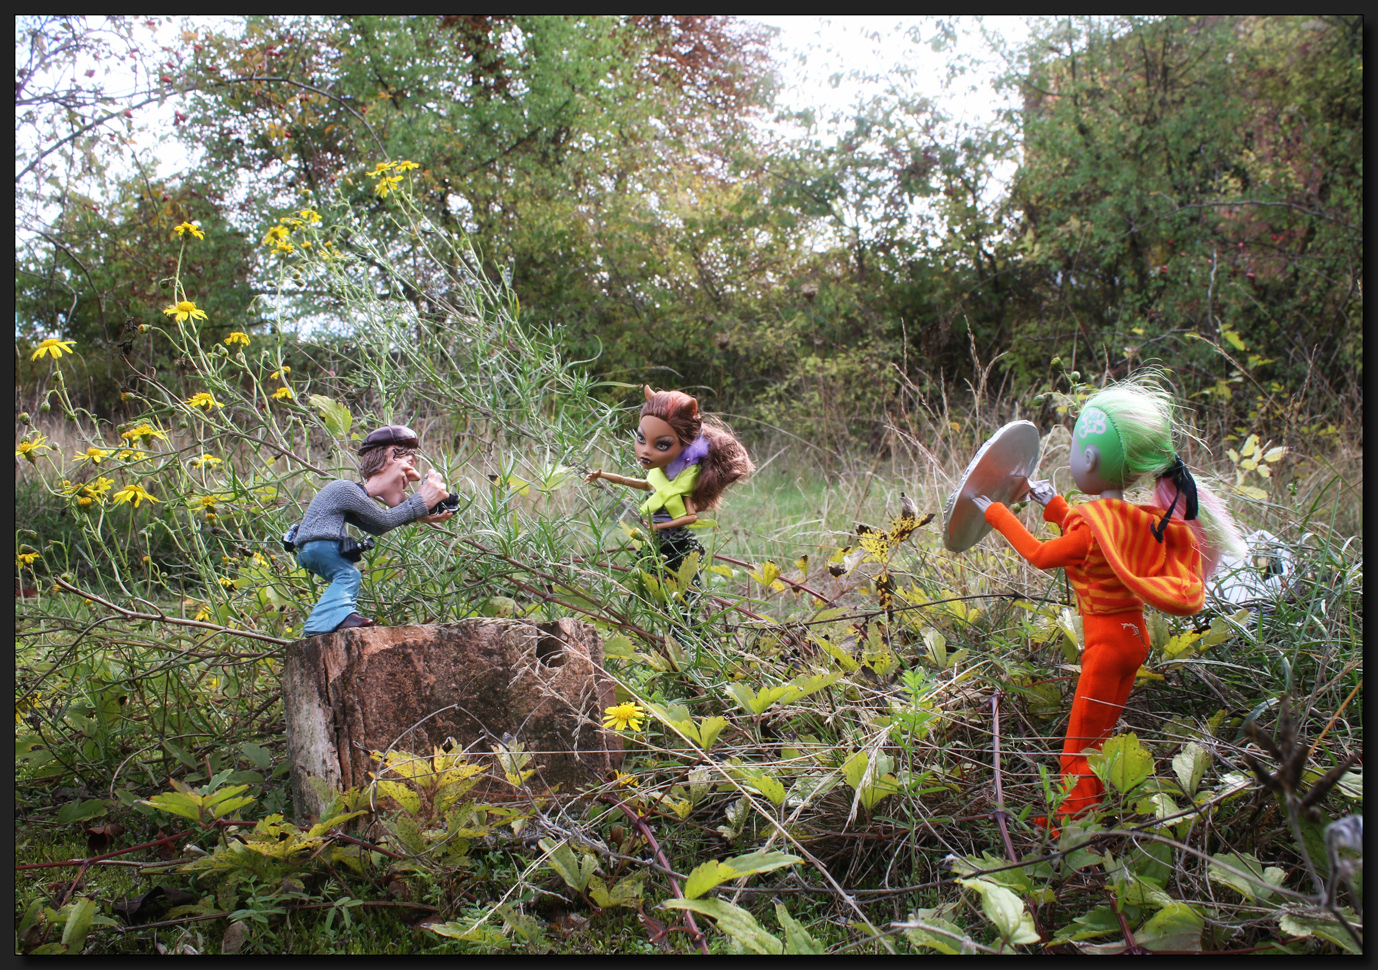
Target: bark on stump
pixel 412 688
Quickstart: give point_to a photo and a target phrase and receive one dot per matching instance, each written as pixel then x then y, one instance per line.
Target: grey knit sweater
pixel 344 501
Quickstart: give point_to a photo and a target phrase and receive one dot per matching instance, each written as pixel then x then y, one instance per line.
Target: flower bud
pixel 24 417
pixel 45 407
pixel 143 328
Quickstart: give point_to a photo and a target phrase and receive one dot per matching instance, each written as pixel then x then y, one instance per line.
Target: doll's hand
pixel 981 502
pixel 593 476
pixel 436 519
pixel 1041 491
pixel 433 489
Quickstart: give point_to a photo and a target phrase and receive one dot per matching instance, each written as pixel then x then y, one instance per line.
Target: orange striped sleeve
pixel 1062 551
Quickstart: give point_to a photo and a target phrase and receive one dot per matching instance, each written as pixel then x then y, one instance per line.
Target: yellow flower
pixel 25 558
pixel 625 780
pixel 93 455
pixel 133 493
pixel 623 716
pixel 28 448
pixel 379 169
pixel 277 236
pixel 140 433
pixel 186 308
pixel 204 400
pixel 53 347
pixel 259 560
pixel 385 185
pixel 128 453
pixel 280 374
pixel 227 583
pixel 190 227
pixel 237 338
pixel 310 215
pixel 204 460
pixel 98 488
pixel 283 392
pixel 406 166
pixel 25 704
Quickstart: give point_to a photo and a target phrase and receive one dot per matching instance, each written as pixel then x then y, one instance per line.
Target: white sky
pixel 813 50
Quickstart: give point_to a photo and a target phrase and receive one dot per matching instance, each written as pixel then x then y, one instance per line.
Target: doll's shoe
pixel 354 620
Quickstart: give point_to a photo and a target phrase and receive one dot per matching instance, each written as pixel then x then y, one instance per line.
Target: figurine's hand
pixel 1041 491
pixel 436 519
pixel 593 476
pixel 433 489
pixel 981 502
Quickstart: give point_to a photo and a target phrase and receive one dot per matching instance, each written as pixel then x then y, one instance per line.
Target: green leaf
pixel 732 920
pixel 684 576
pixel 336 416
pixel 575 871
pixel 484 934
pixel 627 892
pixel 77 811
pixel 1324 928
pixel 618 646
pixel 1100 921
pixel 714 873
pixel 403 794
pixel 1233 337
pixel 1075 832
pixel 1189 765
pixel 797 938
pixel 707 875
pixel 1252 880
pixel 946 937
pixel 767 786
pixel 82 911
pixel 709 729
pixel 176 803
pixel 1122 763
pixel 1174 927
pixel 1005 910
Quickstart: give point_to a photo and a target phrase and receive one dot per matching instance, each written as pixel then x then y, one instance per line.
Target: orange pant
pixel 1116 646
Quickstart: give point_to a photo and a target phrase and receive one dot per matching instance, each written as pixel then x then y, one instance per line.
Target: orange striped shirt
pixel 1099 590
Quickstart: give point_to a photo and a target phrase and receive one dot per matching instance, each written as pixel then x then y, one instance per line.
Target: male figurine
pixel 387 462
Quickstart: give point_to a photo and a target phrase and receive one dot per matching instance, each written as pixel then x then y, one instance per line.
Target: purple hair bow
pixel 691 455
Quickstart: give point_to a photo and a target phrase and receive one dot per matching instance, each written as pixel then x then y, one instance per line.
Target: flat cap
pixel 393 434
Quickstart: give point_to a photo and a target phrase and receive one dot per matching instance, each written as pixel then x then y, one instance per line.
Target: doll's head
pixel 721 458
pixel 1125 432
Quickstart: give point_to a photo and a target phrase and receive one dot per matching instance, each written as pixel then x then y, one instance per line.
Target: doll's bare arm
pixel 638 483
pixel 691 516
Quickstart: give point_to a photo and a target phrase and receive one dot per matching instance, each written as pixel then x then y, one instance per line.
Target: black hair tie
pixel 1186 485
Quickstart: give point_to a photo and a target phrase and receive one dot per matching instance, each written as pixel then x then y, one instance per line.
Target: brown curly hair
pixel 726 461
pixel 372 461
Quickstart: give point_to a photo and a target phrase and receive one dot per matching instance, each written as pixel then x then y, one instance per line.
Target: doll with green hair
pixel 1119 555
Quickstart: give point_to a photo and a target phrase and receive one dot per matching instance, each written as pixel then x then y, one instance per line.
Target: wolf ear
pixel 646 389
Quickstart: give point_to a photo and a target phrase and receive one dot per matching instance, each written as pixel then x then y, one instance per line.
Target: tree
pixel 1195 177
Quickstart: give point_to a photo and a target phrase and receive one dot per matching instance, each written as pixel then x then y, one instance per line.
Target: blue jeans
pixel 322 557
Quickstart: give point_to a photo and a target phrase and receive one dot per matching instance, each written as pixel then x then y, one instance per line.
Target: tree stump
pixel 471 684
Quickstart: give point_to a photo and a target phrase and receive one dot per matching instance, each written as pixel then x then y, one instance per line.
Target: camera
pixel 450 503
pixel 353 550
pixel 289 538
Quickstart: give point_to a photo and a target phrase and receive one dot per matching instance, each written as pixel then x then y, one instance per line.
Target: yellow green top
pixel 669 495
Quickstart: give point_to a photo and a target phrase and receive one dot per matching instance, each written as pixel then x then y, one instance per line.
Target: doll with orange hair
pixel 1119 556
pixel 689 459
